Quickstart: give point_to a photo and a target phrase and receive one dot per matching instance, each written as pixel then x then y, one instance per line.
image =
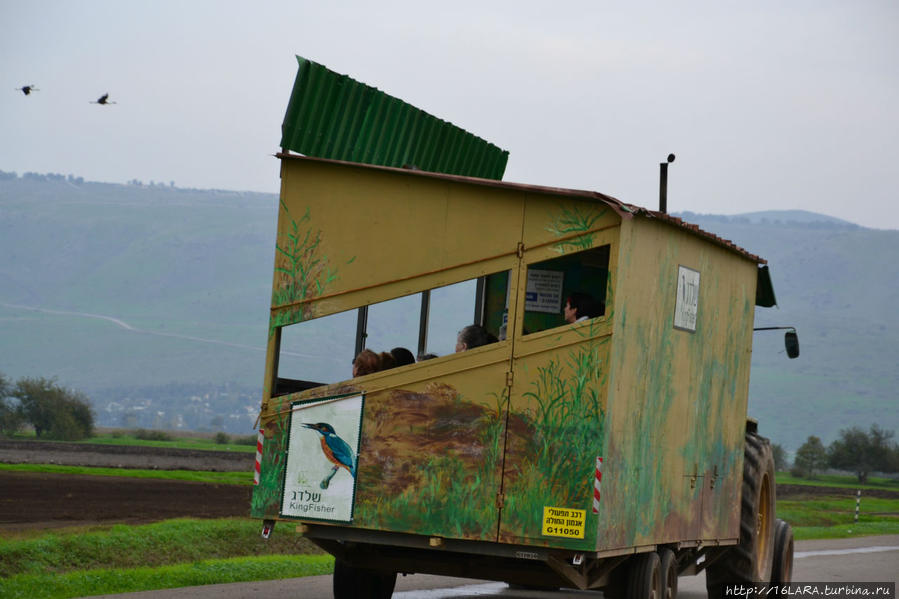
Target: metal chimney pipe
pixel 663 184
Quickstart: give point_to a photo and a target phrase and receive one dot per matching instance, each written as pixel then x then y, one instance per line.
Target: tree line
pixel 858 451
pixel 52 410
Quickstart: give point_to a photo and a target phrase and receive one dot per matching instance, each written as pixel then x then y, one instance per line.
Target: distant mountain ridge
pixel 771 217
pixel 154 300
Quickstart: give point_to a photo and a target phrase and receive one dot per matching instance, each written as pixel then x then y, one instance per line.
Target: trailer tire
pixel 644 580
pixel 782 572
pixel 353 582
pixel 751 560
pixel 668 574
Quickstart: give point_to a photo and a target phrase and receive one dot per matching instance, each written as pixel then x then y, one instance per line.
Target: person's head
pixel 366 362
pixel 423 357
pixel 577 306
pixel 386 361
pixel 402 356
pixel 470 337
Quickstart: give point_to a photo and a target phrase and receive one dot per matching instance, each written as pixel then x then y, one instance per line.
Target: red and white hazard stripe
pixel 596 482
pixel 259 439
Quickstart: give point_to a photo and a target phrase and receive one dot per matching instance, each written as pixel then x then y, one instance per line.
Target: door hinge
pixel 510 376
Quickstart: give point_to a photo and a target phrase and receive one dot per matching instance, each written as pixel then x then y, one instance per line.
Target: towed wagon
pixel 612 453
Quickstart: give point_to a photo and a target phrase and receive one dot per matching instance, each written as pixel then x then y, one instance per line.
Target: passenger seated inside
pixel 402 356
pixel 581 306
pixel 366 362
pixel 472 336
pixel 386 360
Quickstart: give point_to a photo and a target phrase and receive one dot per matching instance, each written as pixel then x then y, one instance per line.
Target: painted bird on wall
pixel 336 450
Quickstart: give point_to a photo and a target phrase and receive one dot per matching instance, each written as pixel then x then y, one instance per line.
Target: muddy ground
pixel 38 500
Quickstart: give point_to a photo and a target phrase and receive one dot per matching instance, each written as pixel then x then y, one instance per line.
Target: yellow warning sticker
pixel 564 522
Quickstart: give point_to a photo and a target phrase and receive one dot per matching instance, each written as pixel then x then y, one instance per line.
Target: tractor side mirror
pixel 791 343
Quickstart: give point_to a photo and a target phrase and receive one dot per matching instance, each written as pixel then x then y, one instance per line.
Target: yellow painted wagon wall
pixel 366 235
pixel 677 399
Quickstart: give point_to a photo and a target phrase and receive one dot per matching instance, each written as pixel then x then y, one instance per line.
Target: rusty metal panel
pixel 333 116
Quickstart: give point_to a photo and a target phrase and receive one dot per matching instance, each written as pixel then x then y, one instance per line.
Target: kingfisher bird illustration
pixel 336 450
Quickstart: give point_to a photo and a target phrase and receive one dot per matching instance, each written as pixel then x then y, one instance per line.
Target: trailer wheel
pixel 668 574
pixel 782 572
pixel 752 559
pixel 644 579
pixel 353 582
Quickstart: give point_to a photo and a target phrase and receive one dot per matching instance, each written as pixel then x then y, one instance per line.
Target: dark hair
pixel 387 360
pixel 366 362
pixel 427 357
pixel 402 356
pixel 474 335
pixel 583 304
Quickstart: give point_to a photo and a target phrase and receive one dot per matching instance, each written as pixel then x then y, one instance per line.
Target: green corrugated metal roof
pixel 333 116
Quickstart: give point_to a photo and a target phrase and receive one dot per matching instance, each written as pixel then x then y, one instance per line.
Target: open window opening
pixel 400 332
pixel 566 289
pixel 314 353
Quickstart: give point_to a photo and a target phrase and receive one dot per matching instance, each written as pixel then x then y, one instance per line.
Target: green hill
pixel 838 283
pixel 153 300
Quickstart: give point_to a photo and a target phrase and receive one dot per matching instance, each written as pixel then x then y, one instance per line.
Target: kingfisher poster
pixel 322 455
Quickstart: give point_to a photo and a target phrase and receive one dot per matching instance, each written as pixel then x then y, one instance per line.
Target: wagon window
pixel 321 351
pixel 394 323
pixel 551 282
pixel 451 308
pixel 316 352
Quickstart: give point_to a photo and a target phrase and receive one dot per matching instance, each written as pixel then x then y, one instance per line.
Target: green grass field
pixel 226 478
pixel 821 516
pixel 842 482
pixel 79 562
pixel 204 441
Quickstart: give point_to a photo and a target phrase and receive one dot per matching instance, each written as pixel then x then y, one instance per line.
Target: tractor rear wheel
pixel 353 582
pixel 751 560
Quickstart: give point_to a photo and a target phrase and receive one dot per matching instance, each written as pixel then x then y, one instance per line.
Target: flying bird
pixel 104 99
pixel 336 450
pixel 27 89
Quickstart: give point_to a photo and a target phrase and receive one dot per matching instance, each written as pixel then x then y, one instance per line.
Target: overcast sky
pixel 768 105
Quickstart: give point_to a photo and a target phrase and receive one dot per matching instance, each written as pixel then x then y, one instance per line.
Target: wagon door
pixel 556 429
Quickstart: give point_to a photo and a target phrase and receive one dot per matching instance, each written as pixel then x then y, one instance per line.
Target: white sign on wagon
pixel 322 454
pixel 686 306
pixel 544 291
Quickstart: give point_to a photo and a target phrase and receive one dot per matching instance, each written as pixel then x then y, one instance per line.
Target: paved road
pixel 873 559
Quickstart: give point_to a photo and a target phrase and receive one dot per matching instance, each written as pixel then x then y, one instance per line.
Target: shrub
pixel 145 435
pixel 53 411
pixel 221 438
